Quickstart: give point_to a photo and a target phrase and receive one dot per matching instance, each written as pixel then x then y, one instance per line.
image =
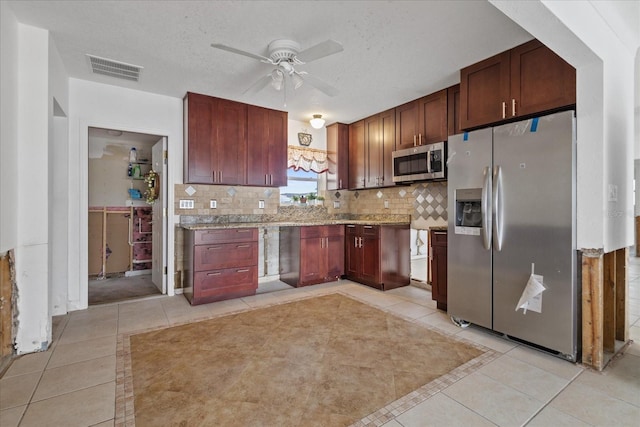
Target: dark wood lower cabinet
pixel 312 254
pixel 378 255
pixel 438 267
pixel 220 264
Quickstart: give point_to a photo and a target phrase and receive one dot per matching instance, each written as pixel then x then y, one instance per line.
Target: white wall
pixel 32 275
pixel 8 128
pixel 318 136
pixel 111 107
pixel 580 33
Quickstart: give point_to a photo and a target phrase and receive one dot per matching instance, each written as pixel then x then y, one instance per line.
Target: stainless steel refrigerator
pixel 512 211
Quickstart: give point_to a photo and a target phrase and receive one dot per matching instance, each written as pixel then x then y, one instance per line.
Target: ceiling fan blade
pixel 321 85
pixel 326 48
pixel 241 52
pixel 259 85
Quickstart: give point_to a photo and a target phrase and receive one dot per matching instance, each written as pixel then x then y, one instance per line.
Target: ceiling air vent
pixel 117 69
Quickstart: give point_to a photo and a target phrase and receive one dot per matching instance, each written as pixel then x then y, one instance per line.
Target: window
pixel 299 183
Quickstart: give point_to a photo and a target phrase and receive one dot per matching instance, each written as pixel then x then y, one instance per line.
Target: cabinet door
pixel 356 155
pixel 453 110
pixel 198 139
pixel 433 118
pixel 352 252
pixel 484 91
pixel 540 80
pixel 388 142
pixel 230 144
pixel 312 260
pixel 338 156
pixel 373 151
pixel 335 256
pixel 407 125
pixel 370 260
pixel 266 147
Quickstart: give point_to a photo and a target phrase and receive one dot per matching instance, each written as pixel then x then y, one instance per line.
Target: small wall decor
pixel 304 138
pixel 152 192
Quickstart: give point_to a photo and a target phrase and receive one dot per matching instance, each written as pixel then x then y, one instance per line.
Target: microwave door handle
pixel 429 160
pixel 485 209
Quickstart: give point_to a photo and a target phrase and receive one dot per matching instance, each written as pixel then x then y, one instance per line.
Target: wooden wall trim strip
pixel 592 308
pixel 622 290
pixel 609 302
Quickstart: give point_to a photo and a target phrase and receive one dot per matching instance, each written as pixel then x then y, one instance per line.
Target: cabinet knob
pixel 513 107
pixel 504 109
pixel 414 140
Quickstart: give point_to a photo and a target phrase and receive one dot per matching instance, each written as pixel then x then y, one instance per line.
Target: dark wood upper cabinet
pixel 215 140
pixel 228 142
pixel 540 80
pixel 528 79
pixel 338 156
pixel 422 121
pixel 453 110
pixel 378 144
pixel 267 147
pixel 356 155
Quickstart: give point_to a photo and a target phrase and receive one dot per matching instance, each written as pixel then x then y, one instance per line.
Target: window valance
pixel 308 159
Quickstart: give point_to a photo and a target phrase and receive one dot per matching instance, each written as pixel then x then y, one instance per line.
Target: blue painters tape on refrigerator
pixel 534 124
pixel 465 137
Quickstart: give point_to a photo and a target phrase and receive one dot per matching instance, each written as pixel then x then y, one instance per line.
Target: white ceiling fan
pixel 285 55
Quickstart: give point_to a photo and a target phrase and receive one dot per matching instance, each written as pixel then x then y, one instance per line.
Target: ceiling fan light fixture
pixel 317 122
pixel 297 81
pixel 277 79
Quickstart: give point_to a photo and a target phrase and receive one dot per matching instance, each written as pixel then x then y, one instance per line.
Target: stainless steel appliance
pixel 425 162
pixel 512 195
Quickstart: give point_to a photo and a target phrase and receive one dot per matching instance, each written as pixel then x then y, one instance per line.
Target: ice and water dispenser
pixel 468 211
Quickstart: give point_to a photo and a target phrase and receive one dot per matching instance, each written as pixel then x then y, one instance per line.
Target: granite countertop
pixel 213 226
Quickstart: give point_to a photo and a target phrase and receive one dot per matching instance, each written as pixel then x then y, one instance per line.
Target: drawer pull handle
pixel 244 270
pixel 368 226
pixel 216 273
pixel 213 247
pixel 351 226
pixel 243 231
pixel 242 246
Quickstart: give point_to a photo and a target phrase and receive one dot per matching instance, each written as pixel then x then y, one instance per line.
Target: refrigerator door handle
pixel 485 209
pixel 498 208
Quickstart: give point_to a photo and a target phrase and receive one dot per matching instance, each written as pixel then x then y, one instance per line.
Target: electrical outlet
pixel 386 204
pixel 260 204
pixel 213 204
pixel 336 204
pixel 186 204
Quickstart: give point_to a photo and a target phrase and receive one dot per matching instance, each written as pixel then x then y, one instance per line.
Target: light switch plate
pixel 260 204
pixel 386 204
pixel 213 204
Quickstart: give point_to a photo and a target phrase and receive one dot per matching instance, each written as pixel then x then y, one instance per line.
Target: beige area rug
pixel 322 361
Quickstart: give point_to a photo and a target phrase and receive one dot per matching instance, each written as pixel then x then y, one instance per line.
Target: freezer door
pixel 468 259
pixel 534 226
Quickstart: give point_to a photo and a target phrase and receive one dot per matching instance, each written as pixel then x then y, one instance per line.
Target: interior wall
pixel 99 105
pixel 108 163
pixel 583 36
pixel 34 327
pixel 57 182
pixel 318 136
pixel 8 128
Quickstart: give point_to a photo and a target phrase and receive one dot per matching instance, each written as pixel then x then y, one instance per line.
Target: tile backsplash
pixel 425 202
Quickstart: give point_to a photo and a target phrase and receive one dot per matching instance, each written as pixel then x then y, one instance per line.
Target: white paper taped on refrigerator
pixel 531 298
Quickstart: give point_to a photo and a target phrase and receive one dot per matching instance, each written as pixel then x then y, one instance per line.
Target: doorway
pixel 419 257
pixel 126 225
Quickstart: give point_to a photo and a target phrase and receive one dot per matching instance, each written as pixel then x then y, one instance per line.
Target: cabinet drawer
pixel 371 230
pixel 225 255
pixel 309 232
pixel 203 237
pixel 439 238
pixel 207 283
pixel 334 230
pixel 351 229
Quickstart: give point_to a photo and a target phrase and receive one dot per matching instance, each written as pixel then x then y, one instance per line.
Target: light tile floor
pixel 74 382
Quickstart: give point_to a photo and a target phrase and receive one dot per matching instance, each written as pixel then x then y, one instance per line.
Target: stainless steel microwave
pixel 422 163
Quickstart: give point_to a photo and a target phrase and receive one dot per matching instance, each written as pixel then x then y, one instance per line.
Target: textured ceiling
pixel 393 51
